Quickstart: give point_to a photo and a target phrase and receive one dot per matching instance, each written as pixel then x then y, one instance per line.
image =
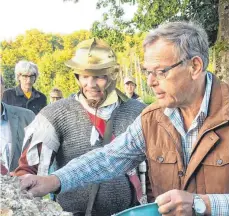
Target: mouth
pixel 94 93
pixel 160 95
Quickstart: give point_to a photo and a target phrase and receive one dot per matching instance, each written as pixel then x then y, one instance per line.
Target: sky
pixel 50 16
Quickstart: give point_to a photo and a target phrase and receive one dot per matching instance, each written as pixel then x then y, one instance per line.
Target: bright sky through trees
pixel 54 16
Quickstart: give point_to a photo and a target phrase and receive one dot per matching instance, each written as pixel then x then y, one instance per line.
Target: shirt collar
pixel 19 92
pixel 205 102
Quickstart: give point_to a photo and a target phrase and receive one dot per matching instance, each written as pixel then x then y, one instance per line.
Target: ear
pixel 196 67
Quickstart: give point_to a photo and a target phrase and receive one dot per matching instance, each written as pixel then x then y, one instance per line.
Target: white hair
pixel 25 67
pixel 189 38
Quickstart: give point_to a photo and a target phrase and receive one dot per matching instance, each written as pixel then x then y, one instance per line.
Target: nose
pixel 28 81
pixel 152 80
pixel 91 82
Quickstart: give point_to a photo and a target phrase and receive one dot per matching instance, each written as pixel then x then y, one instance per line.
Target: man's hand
pixel 175 203
pixel 39 185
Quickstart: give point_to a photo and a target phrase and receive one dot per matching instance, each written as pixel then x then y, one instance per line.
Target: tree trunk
pixel 222 44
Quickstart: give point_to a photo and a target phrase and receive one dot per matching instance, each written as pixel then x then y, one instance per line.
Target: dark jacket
pixel 135 96
pixel 18 118
pixel 16 97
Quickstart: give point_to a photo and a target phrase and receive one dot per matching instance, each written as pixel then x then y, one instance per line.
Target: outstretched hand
pixel 175 203
pixel 39 185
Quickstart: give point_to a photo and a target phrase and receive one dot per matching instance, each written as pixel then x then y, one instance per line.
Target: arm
pixel 23 166
pixel 122 154
pixel 31 116
pixel 114 159
pixel 5 97
pixel 177 201
pixel 219 204
pixel 39 133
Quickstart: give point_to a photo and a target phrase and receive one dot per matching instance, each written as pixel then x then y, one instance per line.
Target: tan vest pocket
pixel 216 172
pixel 163 166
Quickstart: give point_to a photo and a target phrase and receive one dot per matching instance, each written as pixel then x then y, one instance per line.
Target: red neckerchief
pixel 100 125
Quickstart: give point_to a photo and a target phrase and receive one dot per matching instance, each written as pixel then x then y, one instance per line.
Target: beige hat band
pixel 94 72
pixel 76 65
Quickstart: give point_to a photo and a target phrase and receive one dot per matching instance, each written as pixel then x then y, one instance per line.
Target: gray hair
pixel 25 67
pixel 57 91
pixel 189 38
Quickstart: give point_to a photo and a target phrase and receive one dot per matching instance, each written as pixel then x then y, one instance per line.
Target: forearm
pixel 115 159
pixel 219 204
pixel 94 167
pixel 23 166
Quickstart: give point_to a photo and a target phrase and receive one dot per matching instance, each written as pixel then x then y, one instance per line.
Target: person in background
pixel 25 95
pixel 13 121
pixel 129 87
pixel 184 136
pixel 55 95
pixel 88 120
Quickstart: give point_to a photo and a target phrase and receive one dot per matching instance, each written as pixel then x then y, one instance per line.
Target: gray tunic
pixel 73 128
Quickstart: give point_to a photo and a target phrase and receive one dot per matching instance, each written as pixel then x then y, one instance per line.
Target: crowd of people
pixel 101 151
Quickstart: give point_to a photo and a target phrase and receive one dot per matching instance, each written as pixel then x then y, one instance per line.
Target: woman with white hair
pixel 25 95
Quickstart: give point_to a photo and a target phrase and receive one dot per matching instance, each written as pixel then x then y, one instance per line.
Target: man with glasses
pixel 25 95
pixel 184 136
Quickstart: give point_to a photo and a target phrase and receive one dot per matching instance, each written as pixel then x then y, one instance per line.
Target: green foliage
pixel 206 13
pixel 9 78
pixel 151 13
pixel 113 36
pixel 149 99
pixel 222 45
pixel 49 52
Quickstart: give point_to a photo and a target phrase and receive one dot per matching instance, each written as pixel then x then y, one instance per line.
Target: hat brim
pixel 126 81
pixel 74 65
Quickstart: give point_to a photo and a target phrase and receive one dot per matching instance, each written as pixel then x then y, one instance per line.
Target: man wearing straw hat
pixel 71 127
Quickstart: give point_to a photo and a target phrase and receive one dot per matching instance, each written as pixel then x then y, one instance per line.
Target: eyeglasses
pixel 160 74
pixel 57 98
pixel 32 77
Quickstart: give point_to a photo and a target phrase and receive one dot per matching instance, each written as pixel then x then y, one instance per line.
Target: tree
pixel 221 48
pixel 151 13
pixel 49 52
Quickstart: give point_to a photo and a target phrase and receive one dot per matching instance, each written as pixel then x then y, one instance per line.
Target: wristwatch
pixel 199 206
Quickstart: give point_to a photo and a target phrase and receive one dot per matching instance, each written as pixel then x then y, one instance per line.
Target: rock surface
pixel 14 202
